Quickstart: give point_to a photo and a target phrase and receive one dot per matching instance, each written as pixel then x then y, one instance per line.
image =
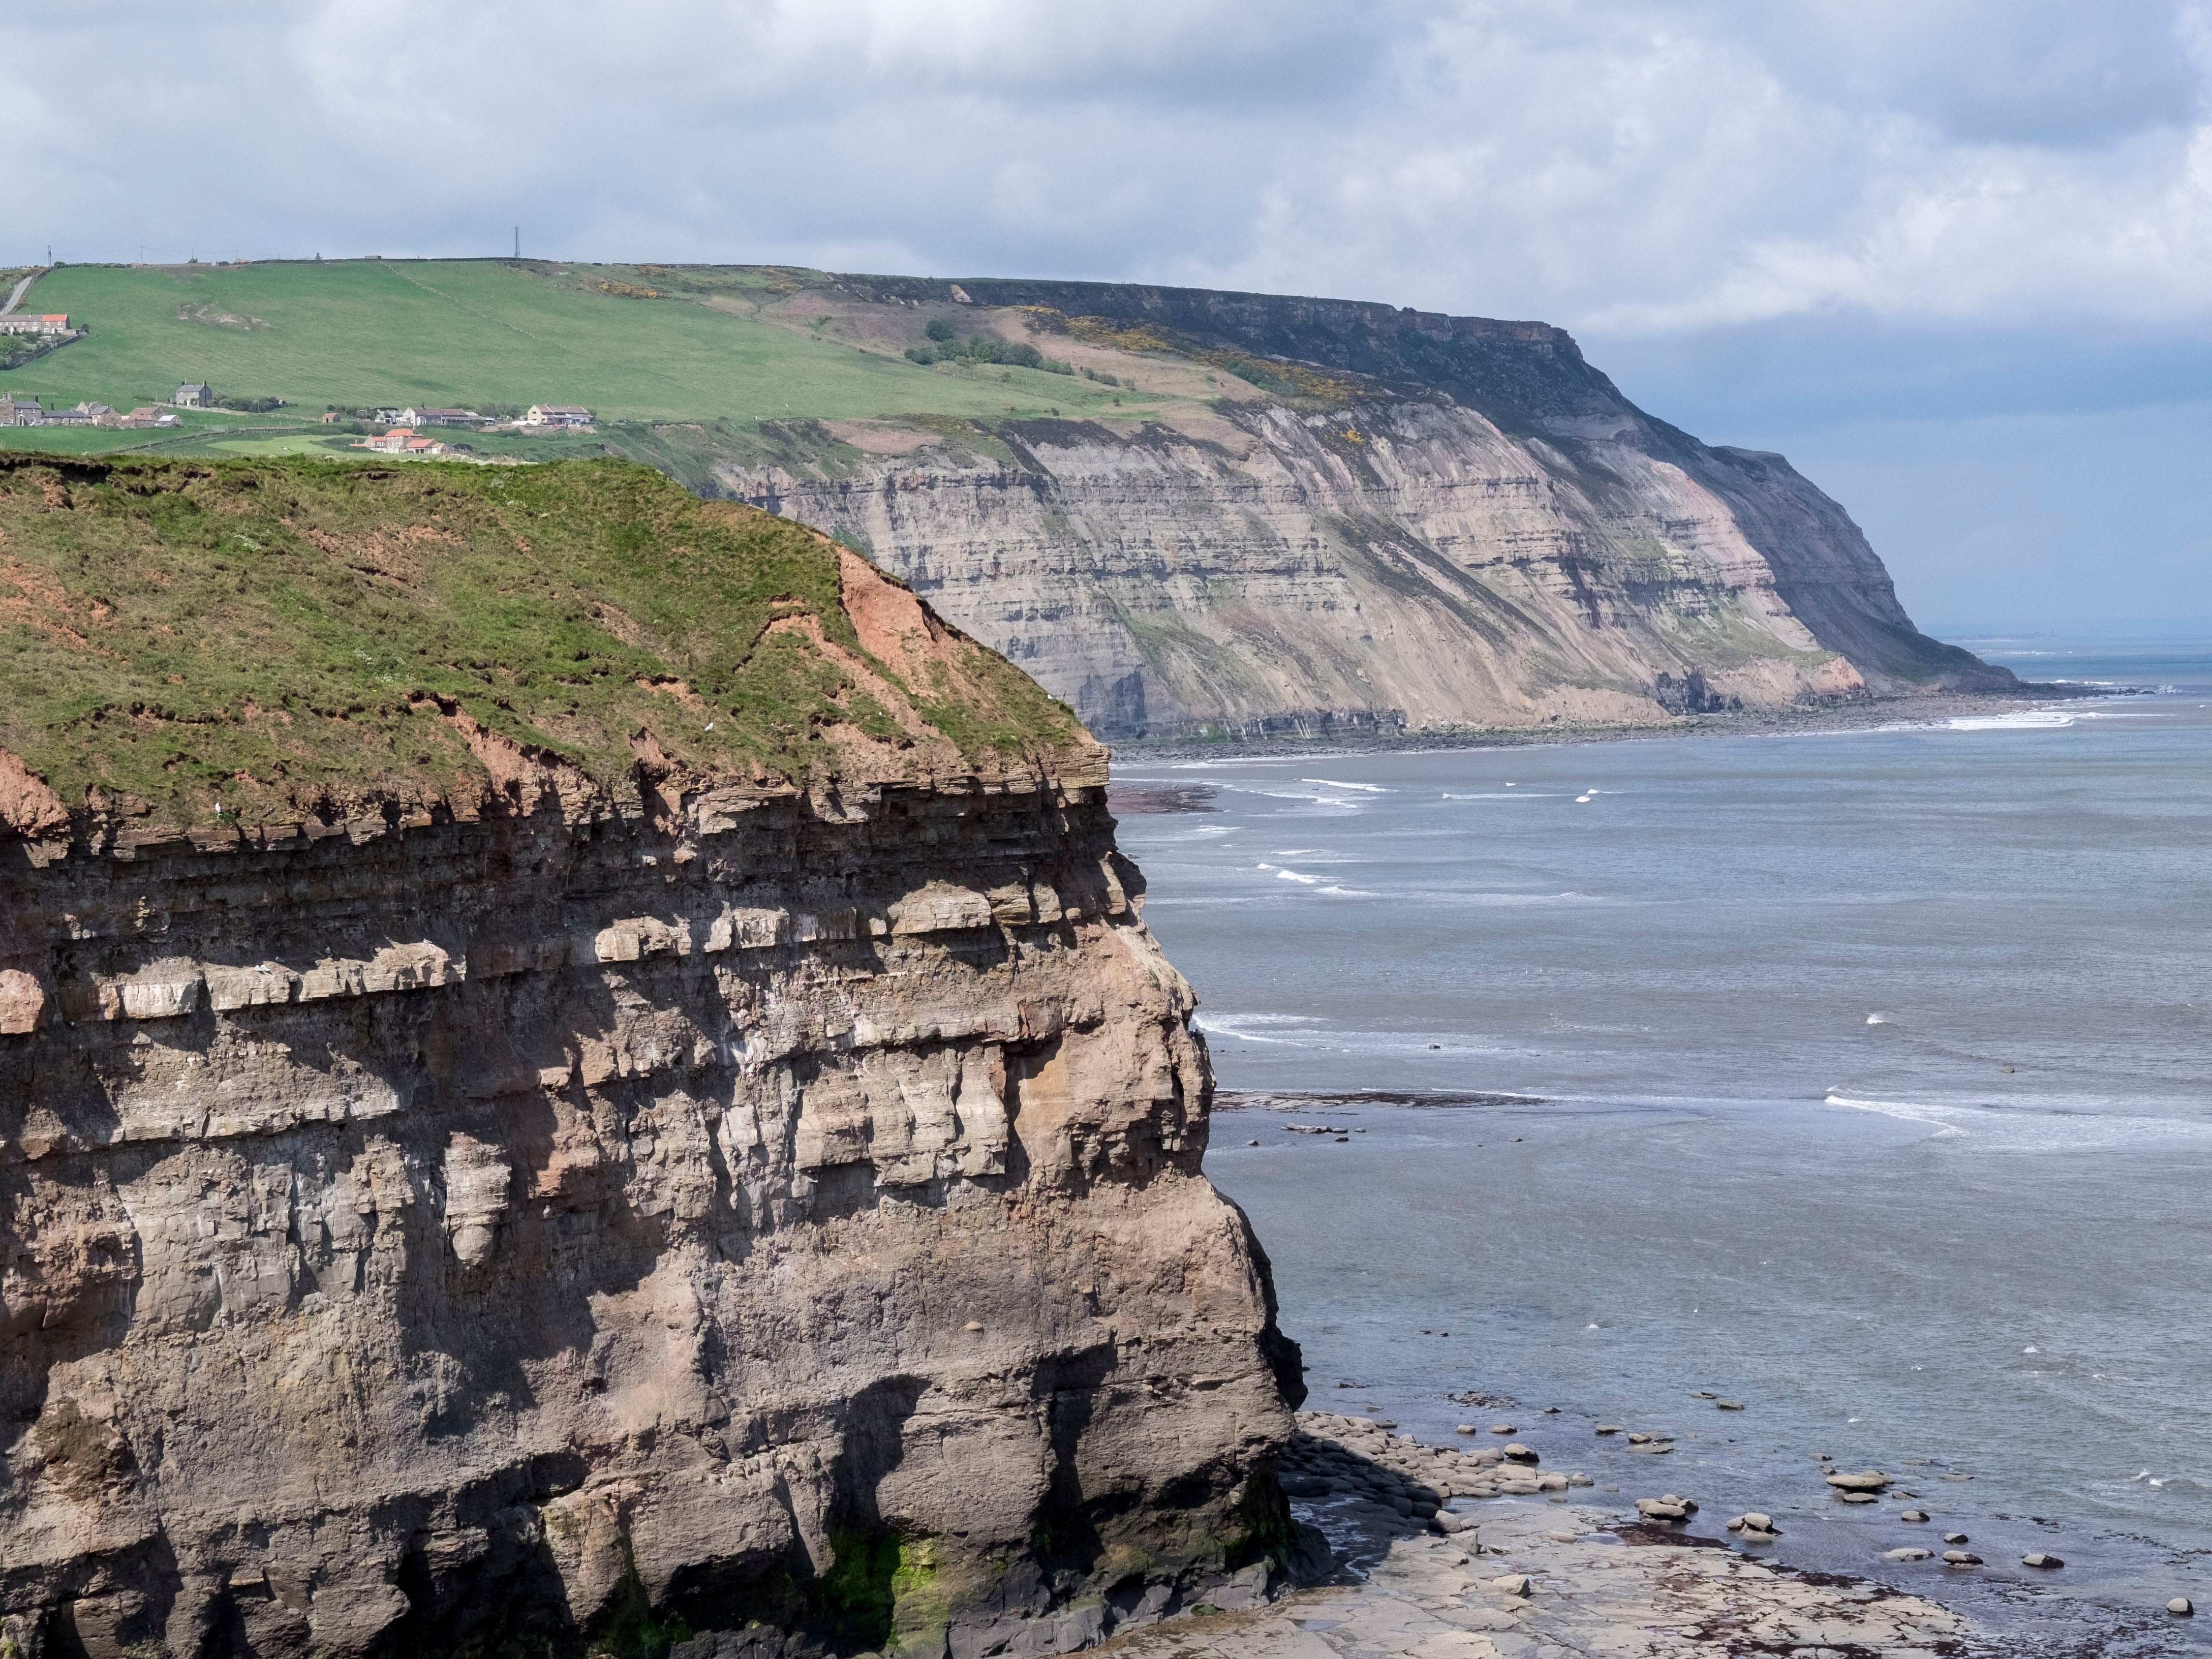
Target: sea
pixel 1862 1078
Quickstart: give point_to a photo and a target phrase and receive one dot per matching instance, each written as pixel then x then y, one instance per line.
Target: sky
pixel 1952 256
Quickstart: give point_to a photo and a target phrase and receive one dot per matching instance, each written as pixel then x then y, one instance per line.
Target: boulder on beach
pixel 1727 1405
pixel 1908 1554
pixel 1914 1515
pixel 2181 1607
pixel 1512 1583
pixel 1955 1538
pixel 1864 1480
pixel 1608 1428
pixel 1501 1428
pixel 1859 1497
pixel 1962 1558
pixel 1518 1453
pixel 2040 1559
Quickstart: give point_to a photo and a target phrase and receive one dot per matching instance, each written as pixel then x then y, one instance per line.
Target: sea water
pixel 1868 1082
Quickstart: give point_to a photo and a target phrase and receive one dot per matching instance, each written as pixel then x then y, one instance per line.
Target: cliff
pixel 1384 517
pixel 579 1074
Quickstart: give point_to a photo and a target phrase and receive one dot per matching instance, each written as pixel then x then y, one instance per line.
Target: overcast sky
pixel 1954 256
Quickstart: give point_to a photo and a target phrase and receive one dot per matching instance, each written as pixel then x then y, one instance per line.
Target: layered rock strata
pixel 524 1224
pixel 561 1212
pixel 1467 525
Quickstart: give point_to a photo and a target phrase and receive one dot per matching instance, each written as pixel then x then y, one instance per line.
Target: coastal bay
pixel 1855 1076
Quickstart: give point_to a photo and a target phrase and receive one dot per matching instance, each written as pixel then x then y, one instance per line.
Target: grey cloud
pixel 1651 167
pixel 1773 219
pixel 1992 71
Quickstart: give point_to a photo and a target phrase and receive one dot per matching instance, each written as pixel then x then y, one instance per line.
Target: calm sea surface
pixel 1872 1085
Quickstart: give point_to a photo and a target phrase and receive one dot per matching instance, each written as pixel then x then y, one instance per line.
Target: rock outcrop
pixel 732 1212
pixel 1455 522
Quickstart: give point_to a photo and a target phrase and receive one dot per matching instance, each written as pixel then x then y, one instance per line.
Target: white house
pixel 557 415
pixel 193 395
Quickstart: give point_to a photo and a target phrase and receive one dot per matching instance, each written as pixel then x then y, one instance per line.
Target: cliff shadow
pixel 1362 1507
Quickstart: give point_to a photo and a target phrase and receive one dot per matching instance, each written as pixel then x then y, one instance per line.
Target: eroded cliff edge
pixel 1387 519
pixel 596 1207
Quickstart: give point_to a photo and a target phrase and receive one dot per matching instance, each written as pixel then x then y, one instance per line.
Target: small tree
pixel 940 331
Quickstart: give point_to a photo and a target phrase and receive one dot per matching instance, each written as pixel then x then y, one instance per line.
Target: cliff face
pixel 1468 526
pixel 743 1212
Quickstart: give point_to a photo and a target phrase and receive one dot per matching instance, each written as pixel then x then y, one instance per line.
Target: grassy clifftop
pixel 280 638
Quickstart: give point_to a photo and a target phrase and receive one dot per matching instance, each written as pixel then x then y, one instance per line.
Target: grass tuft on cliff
pixel 289 636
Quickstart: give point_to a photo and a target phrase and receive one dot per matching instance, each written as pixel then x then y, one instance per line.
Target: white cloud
pixel 1634 167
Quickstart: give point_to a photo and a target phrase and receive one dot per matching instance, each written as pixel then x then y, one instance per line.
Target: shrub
pixel 940 331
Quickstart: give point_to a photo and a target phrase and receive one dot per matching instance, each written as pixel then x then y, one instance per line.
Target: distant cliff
pixel 1438 522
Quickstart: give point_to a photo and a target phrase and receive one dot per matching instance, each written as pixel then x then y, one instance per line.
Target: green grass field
pixel 366 332
pixel 283 636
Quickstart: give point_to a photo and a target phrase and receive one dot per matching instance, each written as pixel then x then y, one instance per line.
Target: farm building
pixel 51 322
pixel 556 414
pixel 193 395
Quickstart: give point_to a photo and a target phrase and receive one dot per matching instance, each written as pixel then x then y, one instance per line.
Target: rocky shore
pixel 1446 1552
pixel 1925 708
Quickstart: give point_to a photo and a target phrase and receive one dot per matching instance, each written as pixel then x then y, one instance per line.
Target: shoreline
pixel 1930 709
pixel 1515 1564
pixel 2104 1600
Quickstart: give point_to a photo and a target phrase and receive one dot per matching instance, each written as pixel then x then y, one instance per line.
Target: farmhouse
pixel 53 322
pixel 402 440
pixel 556 414
pixel 147 415
pixel 437 416
pixel 193 395
pixel 19 408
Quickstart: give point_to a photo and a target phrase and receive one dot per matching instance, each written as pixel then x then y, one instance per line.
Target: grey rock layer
pixel 1489 534
pixel 781 1213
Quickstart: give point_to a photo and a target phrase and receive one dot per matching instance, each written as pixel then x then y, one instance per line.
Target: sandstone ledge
pixel 780 1213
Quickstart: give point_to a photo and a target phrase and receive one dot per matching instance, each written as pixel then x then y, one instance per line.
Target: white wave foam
pixel 1904 1110
pixel 1212 1025
pixel 1296 794
pixel 1348 892
pixel 1240 1027
pixel 2013 1130
pixel 1525 794
pixel 1569 897
pixel 1292 875
pixel 1331 783
pixel 2020 720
